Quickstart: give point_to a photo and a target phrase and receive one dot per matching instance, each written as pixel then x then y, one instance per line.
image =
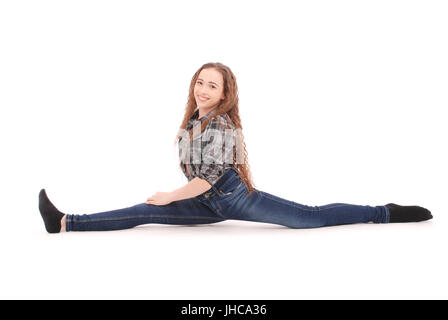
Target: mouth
pixel 202 99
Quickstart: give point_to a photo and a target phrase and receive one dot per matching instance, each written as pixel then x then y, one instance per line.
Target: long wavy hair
pixel 227 107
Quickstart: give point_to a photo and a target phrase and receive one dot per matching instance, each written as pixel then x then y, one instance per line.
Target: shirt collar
pixel 207 115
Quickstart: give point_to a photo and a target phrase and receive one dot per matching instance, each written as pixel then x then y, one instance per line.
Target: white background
pixel 341 101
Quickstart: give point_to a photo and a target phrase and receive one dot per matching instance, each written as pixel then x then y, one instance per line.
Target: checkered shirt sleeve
pixel 212 151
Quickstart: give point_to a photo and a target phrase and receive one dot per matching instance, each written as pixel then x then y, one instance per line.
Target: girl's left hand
pixel 160 198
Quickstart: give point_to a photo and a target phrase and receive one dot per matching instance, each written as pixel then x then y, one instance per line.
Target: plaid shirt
pixel 210 154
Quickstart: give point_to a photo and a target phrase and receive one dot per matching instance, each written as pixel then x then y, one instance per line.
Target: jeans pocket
pixel 228 202
pixel 230 190
pixel 230 193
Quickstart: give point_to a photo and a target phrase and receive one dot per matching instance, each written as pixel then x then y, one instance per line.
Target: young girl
pixel 213 157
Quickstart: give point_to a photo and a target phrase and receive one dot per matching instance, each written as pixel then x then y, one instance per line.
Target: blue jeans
pixel 228 199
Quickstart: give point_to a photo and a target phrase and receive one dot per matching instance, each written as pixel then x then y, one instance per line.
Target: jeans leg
pixel 187 211
pixel 268 208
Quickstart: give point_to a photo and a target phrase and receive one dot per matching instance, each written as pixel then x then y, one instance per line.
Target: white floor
pixel 228 260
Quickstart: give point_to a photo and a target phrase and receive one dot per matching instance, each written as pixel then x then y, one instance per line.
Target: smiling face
pixel 208 90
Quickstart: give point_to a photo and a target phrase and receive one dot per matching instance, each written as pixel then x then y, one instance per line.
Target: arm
pixel 193 188
pixel 210 168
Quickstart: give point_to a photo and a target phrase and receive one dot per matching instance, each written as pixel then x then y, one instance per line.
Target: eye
pixel 199 82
